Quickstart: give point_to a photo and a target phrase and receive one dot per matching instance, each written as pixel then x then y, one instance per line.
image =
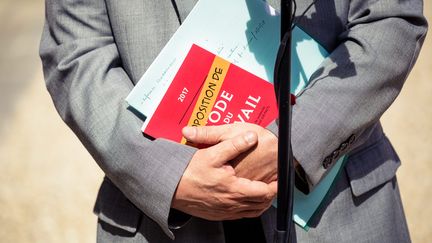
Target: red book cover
pixel 208 90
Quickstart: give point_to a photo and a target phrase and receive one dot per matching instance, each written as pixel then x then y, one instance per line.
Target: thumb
pixel 205 134
pixel 231 148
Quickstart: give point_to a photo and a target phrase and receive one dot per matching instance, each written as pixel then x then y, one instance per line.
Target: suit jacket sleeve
pixel 356 83
pixel 88 85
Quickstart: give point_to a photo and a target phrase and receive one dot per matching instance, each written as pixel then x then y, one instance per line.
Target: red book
pixel 208 90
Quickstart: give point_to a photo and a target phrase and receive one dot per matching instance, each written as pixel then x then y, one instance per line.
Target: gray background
pixel 48 182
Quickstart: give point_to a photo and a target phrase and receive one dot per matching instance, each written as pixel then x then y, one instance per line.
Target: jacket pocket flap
pixel 372 166
pixel 113 208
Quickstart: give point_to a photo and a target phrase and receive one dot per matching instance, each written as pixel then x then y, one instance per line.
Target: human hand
pixel 258 163
pixel 210 189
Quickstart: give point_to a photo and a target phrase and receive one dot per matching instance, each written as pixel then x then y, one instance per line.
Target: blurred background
pixel 48 182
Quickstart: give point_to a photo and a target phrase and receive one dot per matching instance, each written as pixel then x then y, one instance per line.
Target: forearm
pixel 88 85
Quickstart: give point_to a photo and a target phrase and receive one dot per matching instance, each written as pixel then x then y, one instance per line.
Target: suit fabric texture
pixel 94 52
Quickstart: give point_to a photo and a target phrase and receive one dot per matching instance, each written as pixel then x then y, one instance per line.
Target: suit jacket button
pixel 335 154
pixel 351 139
pixel 343 146
pixel 327 162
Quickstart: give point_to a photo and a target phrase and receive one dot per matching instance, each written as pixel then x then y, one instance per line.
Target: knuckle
pixel 239 144
pixel 206 133
pixel 201 132
pixel 212 156
pixel 268 198
pixel 235 147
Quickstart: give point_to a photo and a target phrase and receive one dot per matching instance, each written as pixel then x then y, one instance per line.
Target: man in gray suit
pixel 94 52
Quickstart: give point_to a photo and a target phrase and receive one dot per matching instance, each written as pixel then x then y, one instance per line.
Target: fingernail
pixel 250 137
pixel 189 132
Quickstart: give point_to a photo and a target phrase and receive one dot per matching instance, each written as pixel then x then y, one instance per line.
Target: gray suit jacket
pixel 94 52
